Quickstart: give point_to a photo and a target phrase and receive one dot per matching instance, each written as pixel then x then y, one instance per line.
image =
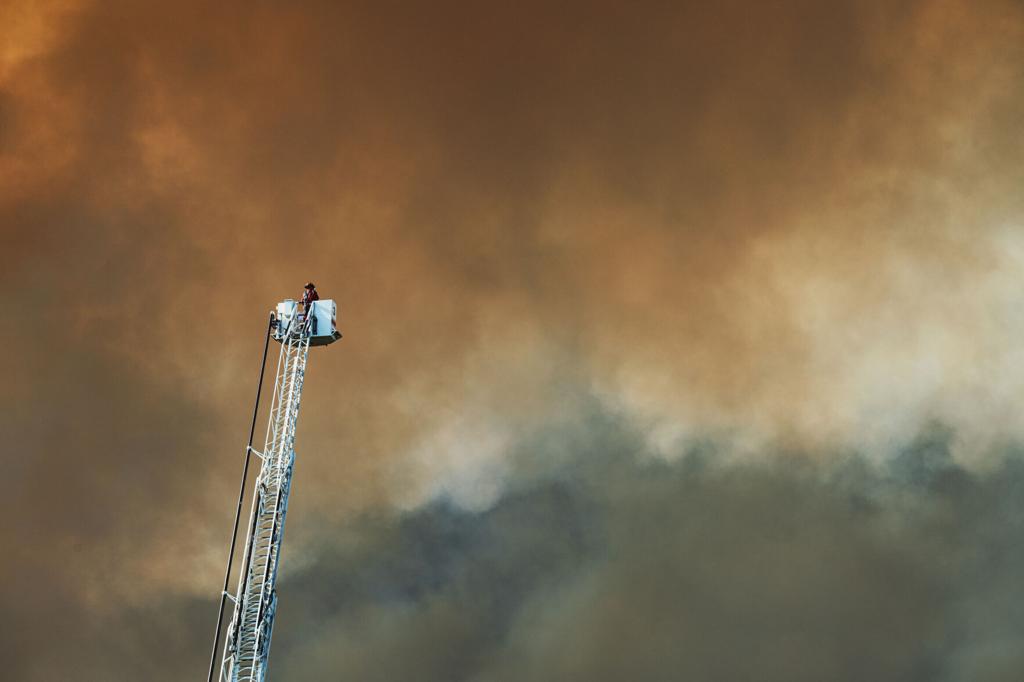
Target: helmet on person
pixel 310 285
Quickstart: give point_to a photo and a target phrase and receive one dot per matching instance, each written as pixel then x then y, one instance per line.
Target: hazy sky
pixel 682 340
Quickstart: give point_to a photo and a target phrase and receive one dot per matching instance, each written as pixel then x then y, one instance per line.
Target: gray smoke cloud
pixel 607 562
pixel 615 564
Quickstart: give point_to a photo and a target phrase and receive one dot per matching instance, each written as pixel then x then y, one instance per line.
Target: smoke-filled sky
pixel 682 340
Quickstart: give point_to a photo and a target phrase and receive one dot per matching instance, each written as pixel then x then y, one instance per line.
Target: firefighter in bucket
pixel 309 295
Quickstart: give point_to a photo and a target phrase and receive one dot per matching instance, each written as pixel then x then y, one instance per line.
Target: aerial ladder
pixel 246 645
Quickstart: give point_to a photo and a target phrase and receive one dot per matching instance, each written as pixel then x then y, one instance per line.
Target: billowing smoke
pixel 681 338
pixel 615 568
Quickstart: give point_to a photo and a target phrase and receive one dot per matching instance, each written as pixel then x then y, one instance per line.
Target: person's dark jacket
pixel 308 296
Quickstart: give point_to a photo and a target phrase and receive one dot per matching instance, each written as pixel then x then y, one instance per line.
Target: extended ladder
pixel 247 644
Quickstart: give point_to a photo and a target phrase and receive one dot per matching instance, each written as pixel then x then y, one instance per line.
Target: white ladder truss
pixel 247 644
